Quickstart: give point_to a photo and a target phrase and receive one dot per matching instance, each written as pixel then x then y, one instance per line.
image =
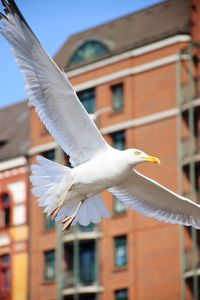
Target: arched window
pixel 5 207
pixel 88 51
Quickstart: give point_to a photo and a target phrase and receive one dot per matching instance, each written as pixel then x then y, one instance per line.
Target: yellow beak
pixel 153 160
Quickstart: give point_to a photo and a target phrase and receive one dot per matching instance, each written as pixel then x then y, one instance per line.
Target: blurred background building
pixel 14 190
pixel 139 78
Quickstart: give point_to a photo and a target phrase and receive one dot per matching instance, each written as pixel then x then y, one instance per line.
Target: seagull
pixel 71 195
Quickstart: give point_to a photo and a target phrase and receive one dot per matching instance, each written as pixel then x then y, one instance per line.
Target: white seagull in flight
pixel 72 195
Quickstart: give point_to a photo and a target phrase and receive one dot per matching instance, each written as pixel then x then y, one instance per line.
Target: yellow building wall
pixel 19 233
pixel 19 276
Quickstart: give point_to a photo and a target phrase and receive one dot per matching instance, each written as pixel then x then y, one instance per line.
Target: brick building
pixel 138 76
pixel 133 72
pixel 14 139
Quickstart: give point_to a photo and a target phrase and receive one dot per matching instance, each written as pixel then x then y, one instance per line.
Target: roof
pixel 14 130
pixel 146 26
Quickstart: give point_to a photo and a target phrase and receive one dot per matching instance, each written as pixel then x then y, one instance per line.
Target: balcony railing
pixel 191 259
pixel 188 148
pixel 85 278
pixel 190 91
pixel 68 279
pixel 196 87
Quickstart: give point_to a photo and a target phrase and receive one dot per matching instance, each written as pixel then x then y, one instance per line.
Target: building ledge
pixel 82 236
pixel 82 290
pixel 13 163
pixel 191 273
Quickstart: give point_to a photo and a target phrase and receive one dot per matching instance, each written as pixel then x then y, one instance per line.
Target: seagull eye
pixel 137 153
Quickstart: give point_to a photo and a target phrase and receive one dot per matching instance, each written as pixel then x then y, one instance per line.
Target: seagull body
pixel 72 195
pixel 111 168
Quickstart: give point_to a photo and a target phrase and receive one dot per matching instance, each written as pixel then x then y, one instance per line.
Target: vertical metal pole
pixel 180 171
pixel 192 163
pixel 59 243
pixel 76 265
pixel 97 261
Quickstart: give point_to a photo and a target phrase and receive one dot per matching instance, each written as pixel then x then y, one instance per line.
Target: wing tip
pixel 10 7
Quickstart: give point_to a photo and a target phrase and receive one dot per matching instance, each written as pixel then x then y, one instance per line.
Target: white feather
pixel 52 95
pixel 151 199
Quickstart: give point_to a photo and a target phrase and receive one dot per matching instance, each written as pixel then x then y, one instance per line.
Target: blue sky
pixel 53 21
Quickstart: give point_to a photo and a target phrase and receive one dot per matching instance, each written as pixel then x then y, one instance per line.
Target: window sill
pixel 49 282
pixel 116 112
pixel 46 230
pixel 117 215
pixel 120 269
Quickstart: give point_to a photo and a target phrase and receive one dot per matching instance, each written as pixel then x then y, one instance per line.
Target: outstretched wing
pixel 50 91
pixel 151 199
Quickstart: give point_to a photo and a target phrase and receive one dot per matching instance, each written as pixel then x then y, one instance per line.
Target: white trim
pixel 82 236
pixel 194 103
pixel 191 273
pixel 131 53
pixel 160 116
pixel 12 163
pixel 42 148
pixel 83 289
pixel 127 72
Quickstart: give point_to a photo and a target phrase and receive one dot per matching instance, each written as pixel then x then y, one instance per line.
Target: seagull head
pixel 136 157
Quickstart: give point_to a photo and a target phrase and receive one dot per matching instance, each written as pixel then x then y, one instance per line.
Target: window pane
pixel 5 212
pixel 117 97
pixel 118 140
pixel 90 227
pixel 87 297
pixel 50 154
pixel 6 216
pixel 5 273
pixel 87 98
pixel 48 222
pixel 87 52
pixel 119 207
pixel 68 278
pixel 49 265
pixel 6 200
pixel 87 262
pixel 121 294
pixel 5 259
pixel 71 297
pixel 120 251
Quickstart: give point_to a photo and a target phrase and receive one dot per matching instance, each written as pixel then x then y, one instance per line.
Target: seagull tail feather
pixel 49 180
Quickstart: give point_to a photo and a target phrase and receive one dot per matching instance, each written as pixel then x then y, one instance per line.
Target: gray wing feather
pixel 151 199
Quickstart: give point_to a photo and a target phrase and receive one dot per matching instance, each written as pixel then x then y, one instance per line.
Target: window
pixel 117 97
pixel 121 294
pixel 87 52
pixel 5 205
pixel 50 154
pixel 4 274
pixel 87 228
pixel 87 98
pixel 3 143
pixel 49 265
pixel 120 251
pixel 81 296
pixel 48 222
pixel 119 207
pixel 79 263
pixel 87 296
pixel 68 280
pixel 118 140
pixel 87 262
